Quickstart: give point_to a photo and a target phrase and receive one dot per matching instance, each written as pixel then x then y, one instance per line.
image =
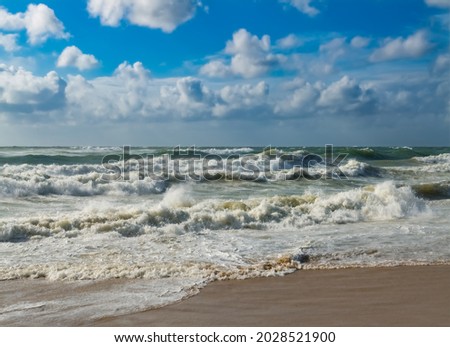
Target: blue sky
pixel 234 72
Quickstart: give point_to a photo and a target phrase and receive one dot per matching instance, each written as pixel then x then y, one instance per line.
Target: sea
pixel 165 222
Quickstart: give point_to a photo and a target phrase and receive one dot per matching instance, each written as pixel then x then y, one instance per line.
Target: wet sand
pixel 398 296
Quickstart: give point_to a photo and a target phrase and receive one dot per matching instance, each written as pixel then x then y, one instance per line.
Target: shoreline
pixel 376 296
pixel 390 296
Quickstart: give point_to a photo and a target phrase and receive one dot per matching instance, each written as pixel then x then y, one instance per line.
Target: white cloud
pixel 9 42
pixel 302 100
pixel 319 63
pixel 342 97
pixel 438 3
pixel 41 24
pixel 155 14
pixel 22 92
pixel 413 46
pixel 191 90
pixel 250 57
pixel 303 6
pixel 333 49
pixel 244 42
pixel 9 21
pixel 130 93
pixel 190 97
pixel 39 21
pixel 360 42
pixel 216 68
pixel 344 92
pixel 243 100
pixel 288 42
pixel 325 63
pixel 442 64
pixel 73 56
pixel 136 73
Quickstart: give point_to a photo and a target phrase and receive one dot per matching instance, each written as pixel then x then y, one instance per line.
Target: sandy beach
pixel 398 296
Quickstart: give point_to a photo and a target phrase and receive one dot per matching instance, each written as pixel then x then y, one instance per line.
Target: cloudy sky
pixel 225 72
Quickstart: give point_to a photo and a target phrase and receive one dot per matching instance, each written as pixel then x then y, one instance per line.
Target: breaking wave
pixel 71 180
pixel 433 191
pixel 434 163
pixel 177 213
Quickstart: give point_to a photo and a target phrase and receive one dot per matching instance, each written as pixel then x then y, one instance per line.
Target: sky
pixel 225 72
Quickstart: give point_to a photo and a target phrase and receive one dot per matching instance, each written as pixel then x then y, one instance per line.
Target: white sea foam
pixel 89 180
pixel 227 151
pixel 354 168
pixel 434 159
pixel 381 202
pixel 85 185
pixel 178 196
pixel 435 163
pixel 173 246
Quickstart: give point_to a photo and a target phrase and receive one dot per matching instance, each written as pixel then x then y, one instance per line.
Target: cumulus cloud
pixel 442 64
pixel 216 68
pixel 155 14
pixel 39 21
pixel 288 42
pixel 131 93
pixel 10 21
pixel 438 3
pixel 23 92
pixel 136 73
pixel 41 24
pixel 190 97
pixel 73 56
pixel 300 101
pixel 9 42
pixel 250 57
pixel 303 6
pixel 347 94
pixel 243 100
pixel 334 49
pixel 342 97
pixel 359 42
pixel 324 62
pixel 127 93
pixel 191 90
pixel 414 46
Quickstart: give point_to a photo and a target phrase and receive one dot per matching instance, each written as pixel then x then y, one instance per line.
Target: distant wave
pixel 434 159
pixel 224 151
pixel 87 180
pixel 87 185
pixel 434 163
pixel 81 175
pixel 354 168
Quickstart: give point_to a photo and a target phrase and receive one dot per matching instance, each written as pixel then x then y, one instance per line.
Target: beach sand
pixel 396 296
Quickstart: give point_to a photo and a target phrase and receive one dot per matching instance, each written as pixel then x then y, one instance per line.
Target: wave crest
pixel 175 214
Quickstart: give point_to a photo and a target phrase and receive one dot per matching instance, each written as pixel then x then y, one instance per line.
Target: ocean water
pixel 170 222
